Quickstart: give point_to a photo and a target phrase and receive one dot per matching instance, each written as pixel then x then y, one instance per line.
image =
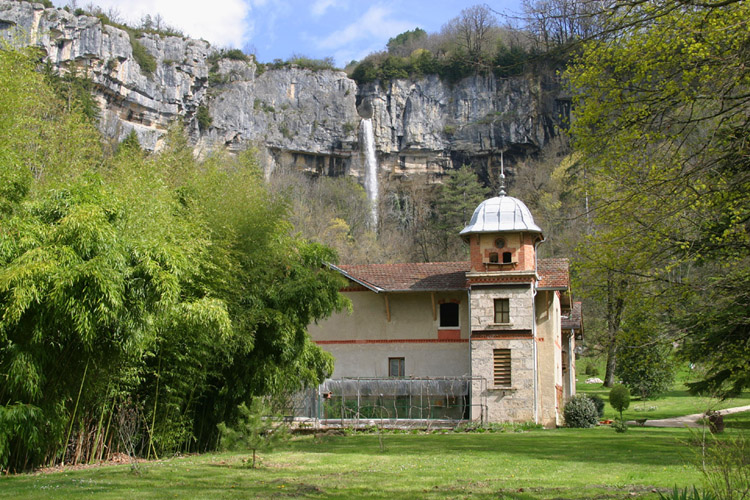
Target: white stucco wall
pixel 420 360
pixel 363 341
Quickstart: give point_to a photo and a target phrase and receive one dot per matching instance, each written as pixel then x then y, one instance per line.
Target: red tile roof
pixel 553 273
pixel 439 276
pixel 424 276
pixel 574 319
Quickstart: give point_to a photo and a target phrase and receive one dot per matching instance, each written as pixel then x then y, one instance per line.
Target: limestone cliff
pixel 309 119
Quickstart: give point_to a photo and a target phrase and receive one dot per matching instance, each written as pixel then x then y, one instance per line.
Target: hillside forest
pixel 145 296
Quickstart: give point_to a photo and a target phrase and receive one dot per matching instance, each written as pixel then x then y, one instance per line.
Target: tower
pixel 502 283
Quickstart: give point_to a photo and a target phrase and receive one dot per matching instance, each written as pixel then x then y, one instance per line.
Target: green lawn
pixel 561 463
pixel 675 403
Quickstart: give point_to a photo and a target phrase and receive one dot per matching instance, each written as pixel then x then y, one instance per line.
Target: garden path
pixel 693 420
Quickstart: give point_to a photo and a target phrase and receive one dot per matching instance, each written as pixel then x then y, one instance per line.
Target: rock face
pixel 298 117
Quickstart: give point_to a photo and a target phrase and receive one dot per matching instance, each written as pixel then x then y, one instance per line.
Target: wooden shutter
pixel 501 359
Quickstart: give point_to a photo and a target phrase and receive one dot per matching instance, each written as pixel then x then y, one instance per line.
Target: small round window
pixel 499 243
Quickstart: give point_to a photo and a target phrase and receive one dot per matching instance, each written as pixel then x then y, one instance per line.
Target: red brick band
pixel 393 341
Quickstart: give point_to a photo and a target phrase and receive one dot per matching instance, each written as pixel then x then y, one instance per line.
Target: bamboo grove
pixel 142 297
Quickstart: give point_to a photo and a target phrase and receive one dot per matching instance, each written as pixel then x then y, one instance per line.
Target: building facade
pixel 503 322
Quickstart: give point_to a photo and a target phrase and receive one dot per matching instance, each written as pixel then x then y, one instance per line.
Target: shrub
pixel 619 426
pixel 580 411
pixel 619 398
pixel 145 60
pixel 203 117
pixel 724 463
pixel 257 428
pixel 686 494
pixel 599 403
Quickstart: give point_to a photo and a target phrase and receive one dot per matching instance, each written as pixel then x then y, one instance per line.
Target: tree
pixel 644 357
pixel 151 283
pixel 455 203
pixel 619 398
pixel 407 42
pixel 257 428
pixel 662 112
pixel 475 30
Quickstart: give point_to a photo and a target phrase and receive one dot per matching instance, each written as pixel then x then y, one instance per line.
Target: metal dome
pixel 501 214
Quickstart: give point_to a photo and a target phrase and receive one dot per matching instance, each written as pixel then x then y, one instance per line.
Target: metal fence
pixel 398 401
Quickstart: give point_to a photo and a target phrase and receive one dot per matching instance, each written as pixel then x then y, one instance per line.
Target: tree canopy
pixel 661 122
pixel 150 284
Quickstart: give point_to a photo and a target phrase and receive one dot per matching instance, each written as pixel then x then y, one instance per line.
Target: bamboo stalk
pixel 106 431
pixel 75 410
pixel 92 457
pixel 153 417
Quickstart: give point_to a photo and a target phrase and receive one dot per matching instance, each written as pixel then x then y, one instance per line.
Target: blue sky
pixel 342 29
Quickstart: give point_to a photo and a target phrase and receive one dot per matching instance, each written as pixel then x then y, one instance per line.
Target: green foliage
pixel 204 117
pixel 661 116
pixel 686 494
pixel 455 203
pixel 719 339
pixel 231 54
pixel 619 398
pixel 598 403
pixel 580 411
pixel 155 283
pixel 256 429
pixel 303 62
pixel 406 39
pixel 724 463
pixel 143 57
pixel 73 89
pixel 620 426
pixel 644 359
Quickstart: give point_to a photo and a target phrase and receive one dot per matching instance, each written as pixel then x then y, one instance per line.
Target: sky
pixel 277 29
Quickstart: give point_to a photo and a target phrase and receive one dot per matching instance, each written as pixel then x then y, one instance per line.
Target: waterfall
pixel 371 169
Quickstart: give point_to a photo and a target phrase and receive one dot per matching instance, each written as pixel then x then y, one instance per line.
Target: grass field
pixel 561 463
pixel 537 464
pixel 674 403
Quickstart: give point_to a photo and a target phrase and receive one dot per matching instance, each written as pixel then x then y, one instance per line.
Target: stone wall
pixel 504 404
pixel 483 307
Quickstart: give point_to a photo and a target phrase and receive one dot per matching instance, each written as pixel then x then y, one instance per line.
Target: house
pixel 490 339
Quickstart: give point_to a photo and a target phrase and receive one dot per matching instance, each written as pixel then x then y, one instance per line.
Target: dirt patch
pixel 116 459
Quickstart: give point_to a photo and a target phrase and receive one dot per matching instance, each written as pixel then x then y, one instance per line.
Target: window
pixel 396 367
pixel 507 258
pixel 502 311
pixel 499 243
pixel 449 315
pixel 501 372
pixel 493 257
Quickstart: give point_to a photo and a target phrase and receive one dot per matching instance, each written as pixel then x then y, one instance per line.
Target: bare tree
pixel 475 31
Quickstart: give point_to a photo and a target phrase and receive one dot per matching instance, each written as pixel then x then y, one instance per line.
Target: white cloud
pixel 373 25
pixel 319 7
pixel 221 22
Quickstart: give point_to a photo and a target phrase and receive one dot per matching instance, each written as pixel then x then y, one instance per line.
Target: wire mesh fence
pixel 396 400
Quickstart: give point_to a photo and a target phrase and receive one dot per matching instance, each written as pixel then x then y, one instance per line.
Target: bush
pixel 686 494
pixel 204 117
pixel 591 370
pixel 580 411
pixel 619 398
pixel 619 426
pixel 145 60
pixel 599 403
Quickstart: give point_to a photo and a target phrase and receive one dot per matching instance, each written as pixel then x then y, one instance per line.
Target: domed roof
pixel 501 214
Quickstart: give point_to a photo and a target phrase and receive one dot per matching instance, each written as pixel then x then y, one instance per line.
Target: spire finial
pixel 502 175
